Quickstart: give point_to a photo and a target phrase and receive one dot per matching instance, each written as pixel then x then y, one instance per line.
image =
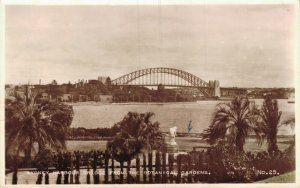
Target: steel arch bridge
pixel 160 76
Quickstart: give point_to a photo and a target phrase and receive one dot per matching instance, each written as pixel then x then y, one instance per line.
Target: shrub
pixel 228 164
pixel 275 163
pixel 136 132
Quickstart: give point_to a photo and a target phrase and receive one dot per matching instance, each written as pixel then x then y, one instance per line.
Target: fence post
pixel 157 167
pixel 194 167
pixel 137 169
pixel 198 167
pixel 210 166
pixel 150 167
pixel 189 169
pixel 71 169
pixel 40 178
pixel 128 176
pixel 112 169
pixel 122 171
pixel 144 168
pixel 171 161
pixel 47 177
pixel 95 174
pixel 59 176
pixel 77 167
pixel 178 180
pixel 88 177
pixel 164 168
pixel 66 168
pixel 15 176
pixel 106 166
pixel 99 160
pixel 59 168
pixel 205 166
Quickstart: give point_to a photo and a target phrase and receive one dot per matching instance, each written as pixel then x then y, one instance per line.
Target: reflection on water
pixel 167 114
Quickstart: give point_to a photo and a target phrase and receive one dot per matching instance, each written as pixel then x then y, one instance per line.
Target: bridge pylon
pixel 215 85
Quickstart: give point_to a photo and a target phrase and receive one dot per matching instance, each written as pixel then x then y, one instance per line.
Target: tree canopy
pixel 235 121
pixel 137 132
pixel 28 122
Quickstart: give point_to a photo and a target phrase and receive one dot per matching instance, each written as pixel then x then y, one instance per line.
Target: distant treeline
pixel 144 94
pixel 83 133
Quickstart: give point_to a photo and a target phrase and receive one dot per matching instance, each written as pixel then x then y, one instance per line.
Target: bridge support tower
pixel 215 85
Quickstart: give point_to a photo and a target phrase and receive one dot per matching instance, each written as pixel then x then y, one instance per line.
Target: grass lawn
pixel 288 177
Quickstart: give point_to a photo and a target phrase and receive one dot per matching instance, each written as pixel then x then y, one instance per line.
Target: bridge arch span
pixel 188 77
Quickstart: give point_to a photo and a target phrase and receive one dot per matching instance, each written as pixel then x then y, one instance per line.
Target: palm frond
pixel 289 122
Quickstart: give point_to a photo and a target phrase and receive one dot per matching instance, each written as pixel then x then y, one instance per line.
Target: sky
pixel 239 45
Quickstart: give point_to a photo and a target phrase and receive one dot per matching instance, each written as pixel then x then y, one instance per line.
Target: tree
pixel 136 132
pixel 29 123
pixel 150 134
pixel 108 82
pixel 270 122
pixel 54 82
pixel 236 119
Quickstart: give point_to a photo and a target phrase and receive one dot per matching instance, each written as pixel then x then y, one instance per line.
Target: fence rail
pixel 154 167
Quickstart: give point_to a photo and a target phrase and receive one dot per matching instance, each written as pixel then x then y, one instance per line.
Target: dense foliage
pixel 270 122
pixel 27 123
pixel 233 121
pixel 227 164
pixel 136 132
pixel 143 94
pixel 97 133
pixel 231 125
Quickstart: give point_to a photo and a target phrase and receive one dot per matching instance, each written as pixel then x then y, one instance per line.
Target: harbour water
pixel 167 114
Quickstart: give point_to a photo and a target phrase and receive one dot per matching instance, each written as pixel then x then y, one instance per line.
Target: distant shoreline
pixel 179 135
pixel 93 103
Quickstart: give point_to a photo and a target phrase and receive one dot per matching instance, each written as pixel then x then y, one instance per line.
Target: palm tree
pixel 149 133
pixel 22 118
pixel 270 122
pixel 31 123
pixel 238 119
pixel 136 132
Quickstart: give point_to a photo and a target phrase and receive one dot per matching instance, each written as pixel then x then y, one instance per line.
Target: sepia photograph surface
pixel 150 94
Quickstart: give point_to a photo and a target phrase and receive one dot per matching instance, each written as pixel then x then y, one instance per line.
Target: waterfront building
pixel 66 97
pixel 102 79
pixel 105 98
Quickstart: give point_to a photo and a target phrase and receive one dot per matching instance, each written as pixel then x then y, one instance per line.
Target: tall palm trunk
pixel 28 152
pixel 239 142
pixel 41 146
pixel 271 117
pixel 272 141
pixel 15 177
pixel 149 149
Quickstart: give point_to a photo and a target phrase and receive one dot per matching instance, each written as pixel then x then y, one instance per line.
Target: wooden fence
pixel 155 167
